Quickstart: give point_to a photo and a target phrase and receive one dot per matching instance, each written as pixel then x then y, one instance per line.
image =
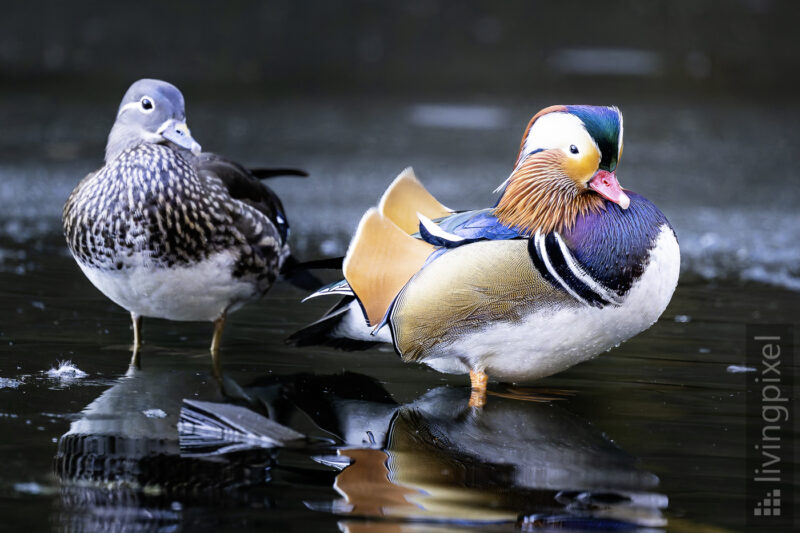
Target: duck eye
pixel 573 149
pixel 147 104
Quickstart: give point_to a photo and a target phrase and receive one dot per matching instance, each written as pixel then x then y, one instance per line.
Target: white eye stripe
pixel 140 106
pixel 558 130
pixel 129 105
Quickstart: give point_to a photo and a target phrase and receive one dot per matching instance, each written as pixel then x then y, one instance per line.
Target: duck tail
pixel 266 173
pixel 327 331
pixel 298 274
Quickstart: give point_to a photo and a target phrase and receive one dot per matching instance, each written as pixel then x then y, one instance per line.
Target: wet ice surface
pixel 7 383
pixel 657 422
pixel 736 369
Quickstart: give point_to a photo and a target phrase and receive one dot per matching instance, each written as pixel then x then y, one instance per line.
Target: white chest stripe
pixel 539 242
pixel 584 276
pixel 583 285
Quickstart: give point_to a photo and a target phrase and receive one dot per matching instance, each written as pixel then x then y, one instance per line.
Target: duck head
pixel 152 111
pixel 565 167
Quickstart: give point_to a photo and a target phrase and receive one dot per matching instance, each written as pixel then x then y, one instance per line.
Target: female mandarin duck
pixel 166 231
pixel 566 265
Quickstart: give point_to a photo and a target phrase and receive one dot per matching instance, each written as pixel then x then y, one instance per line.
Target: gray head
pixel 151 111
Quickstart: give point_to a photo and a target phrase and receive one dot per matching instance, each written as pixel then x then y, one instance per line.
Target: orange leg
pixel 478 380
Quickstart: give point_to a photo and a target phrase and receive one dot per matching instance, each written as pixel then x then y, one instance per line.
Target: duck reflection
pixel 121 465
pixel 438 460
pixel 161 441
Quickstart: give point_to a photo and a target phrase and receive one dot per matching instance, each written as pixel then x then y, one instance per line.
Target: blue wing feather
pixel 470 226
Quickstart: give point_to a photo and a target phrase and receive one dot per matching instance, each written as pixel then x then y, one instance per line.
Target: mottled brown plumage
pixel 152 199
pixel 167 231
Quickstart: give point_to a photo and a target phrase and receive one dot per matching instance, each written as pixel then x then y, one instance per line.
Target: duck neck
pixel 124 136
pixel 539 196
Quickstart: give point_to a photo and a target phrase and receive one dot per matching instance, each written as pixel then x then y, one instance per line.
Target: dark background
pixel 746 48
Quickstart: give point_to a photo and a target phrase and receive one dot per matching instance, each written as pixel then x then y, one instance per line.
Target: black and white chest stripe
pixel 555 262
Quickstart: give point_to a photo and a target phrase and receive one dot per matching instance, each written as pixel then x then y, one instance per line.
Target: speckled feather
pixel 152 199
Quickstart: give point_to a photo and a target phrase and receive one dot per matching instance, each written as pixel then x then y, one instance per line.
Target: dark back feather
pixel 245 187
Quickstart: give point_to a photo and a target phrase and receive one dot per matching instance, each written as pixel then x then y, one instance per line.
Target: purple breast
pixel 614 244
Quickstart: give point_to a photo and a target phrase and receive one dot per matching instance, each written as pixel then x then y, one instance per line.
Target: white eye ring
pixel 146 104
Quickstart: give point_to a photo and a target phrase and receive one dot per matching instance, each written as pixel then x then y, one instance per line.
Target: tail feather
pixel 266 173
pixel 406 197
pixel 295 273
pixel 322 332
pixel 330 263
pixel 380 261
pixel 337 287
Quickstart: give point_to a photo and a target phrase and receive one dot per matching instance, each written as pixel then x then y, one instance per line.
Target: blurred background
pixel 355 91
pixel 734 47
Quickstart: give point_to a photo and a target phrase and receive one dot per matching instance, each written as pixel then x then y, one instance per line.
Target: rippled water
pixel 650 434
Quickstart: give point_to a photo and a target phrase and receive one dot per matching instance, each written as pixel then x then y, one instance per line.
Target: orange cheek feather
pixel 581 170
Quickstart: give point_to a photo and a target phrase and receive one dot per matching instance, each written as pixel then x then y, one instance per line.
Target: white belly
pixel 354 326
pixel 547 342
pixel 200 292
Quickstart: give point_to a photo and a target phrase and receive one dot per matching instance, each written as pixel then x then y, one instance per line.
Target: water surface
pixel 650 434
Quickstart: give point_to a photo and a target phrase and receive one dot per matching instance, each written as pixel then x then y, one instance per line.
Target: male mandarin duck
pixel 565 266
pixel 167 231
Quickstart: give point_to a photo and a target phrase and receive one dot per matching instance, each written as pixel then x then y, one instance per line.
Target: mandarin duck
pixel 167 231
pixel 565 266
